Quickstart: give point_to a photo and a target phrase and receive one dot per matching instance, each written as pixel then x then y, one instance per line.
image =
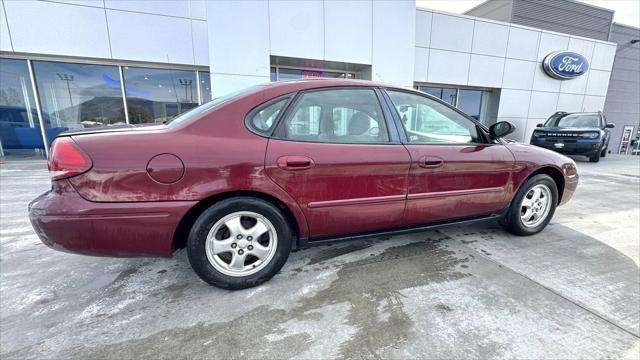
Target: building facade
pixel 622 105
pixel 114 62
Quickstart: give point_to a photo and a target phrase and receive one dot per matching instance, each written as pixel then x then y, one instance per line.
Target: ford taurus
pixel 244 179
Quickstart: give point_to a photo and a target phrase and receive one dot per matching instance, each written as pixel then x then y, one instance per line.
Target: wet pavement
pixel 457 292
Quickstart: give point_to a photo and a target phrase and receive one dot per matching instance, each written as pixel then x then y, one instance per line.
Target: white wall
pixel 243 34
pixel 168 31
pixel 467 51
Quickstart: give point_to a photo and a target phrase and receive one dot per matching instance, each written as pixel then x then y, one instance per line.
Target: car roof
pixel 312 83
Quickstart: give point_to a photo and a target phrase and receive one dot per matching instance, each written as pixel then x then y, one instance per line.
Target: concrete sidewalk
pixel 572 291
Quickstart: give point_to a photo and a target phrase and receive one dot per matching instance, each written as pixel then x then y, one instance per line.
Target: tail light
pixel 67 159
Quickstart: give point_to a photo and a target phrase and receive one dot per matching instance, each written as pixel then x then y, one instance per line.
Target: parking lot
pixel 572 291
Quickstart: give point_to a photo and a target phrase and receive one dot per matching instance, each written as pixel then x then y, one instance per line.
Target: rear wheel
pixel 533 206
pixel 239 243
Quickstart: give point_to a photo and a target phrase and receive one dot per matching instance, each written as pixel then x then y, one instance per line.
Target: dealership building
pixel 70 64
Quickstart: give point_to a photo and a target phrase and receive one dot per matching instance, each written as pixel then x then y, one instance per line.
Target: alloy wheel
pixel 241 243
pixel 535 205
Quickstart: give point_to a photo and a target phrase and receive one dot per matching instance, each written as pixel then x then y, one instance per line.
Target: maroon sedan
pixel 244 179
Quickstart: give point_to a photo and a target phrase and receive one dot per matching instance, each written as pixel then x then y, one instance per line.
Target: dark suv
pixel 575 134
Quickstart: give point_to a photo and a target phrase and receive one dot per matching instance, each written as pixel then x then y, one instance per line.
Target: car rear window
pixel 180 119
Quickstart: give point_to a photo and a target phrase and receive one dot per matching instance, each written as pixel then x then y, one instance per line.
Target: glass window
pixel 263 118
pixel 158 95
pixel 76 96
pixel 430 122
pixel 448 95
pixel 337 115
pixel 185 117
pixel 292 74
pixel 575 120
pixel 205 86
pixel 470 102
pixel 19 125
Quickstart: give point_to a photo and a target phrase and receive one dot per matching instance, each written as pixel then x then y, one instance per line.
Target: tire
pixel 513 221
pixel 595 157
pixel 228 256
pixel 603 153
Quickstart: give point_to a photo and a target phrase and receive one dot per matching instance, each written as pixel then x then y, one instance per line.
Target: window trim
pixel 247 117
pixel 483 131
pixel 279 133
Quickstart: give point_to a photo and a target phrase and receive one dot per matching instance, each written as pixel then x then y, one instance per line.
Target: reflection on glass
pixel 76 96
pixel 449 95
pixel 446 94
pixel 470 101
pixel 205 86
pixel 292 74
pixel 19 126
pixel 158 95
pixel 274 75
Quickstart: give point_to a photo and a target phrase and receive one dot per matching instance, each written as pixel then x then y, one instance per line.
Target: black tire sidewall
pixel 200 229
pixel 513 221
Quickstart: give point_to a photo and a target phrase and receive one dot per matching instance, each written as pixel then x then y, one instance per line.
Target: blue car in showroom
pixel 584 134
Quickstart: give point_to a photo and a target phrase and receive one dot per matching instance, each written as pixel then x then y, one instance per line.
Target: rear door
pixel 333 151
pixel 455 172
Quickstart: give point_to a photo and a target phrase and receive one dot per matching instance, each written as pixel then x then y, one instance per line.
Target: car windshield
pixel 575 120
pixel 206 106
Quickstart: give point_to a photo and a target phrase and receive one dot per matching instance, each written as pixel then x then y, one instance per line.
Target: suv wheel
pixel 603 153
pixel 533 206
pixel 595 157
pixel 239 243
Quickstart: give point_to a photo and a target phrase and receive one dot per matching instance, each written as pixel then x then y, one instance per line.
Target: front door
pixel 332 152
pixel 455 171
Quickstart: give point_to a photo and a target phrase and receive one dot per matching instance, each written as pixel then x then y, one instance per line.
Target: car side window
pixel 262 119
pixel 427 121
pixel 337 115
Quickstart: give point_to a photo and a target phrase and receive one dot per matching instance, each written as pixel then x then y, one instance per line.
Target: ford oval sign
pixel 564 65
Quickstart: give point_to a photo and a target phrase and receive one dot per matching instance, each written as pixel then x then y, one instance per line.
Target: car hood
pixel 555 128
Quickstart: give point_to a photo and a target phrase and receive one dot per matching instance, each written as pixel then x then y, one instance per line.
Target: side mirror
pixel 610 126
pixel 501 129
pixel 540 125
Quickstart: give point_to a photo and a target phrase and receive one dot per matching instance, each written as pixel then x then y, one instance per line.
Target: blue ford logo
pixel 565 65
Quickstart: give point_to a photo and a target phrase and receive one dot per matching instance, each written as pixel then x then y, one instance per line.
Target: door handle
pixel 430 162
pixel 295 162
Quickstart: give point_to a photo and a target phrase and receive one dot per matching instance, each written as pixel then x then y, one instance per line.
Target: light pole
pixel 185 83
pixel 67 78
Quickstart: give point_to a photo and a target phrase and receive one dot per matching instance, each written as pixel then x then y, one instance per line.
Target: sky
pixel 626 11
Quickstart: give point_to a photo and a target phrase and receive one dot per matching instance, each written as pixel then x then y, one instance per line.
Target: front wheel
pixel 239 243
pixel 533 206
pixel 595 157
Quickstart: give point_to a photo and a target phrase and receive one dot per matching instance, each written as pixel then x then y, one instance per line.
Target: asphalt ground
pixel 475 291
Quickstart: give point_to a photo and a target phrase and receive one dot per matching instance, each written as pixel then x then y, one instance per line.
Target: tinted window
pixel 263 118
pixel 19 126
pixel 337 115
pixel 205 86
pixel 158 95
pixel 470 102
pixel 575 120
pixel 215 102
pixel 77 96
pixel 430 122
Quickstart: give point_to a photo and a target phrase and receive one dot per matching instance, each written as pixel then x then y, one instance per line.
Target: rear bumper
pixel 65 221
pixel 581 147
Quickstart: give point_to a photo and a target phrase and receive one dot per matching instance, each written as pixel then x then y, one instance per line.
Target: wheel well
pixel 557 177
pixel 181 234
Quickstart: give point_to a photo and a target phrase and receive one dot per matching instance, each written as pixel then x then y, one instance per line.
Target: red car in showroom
pixel 244 179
